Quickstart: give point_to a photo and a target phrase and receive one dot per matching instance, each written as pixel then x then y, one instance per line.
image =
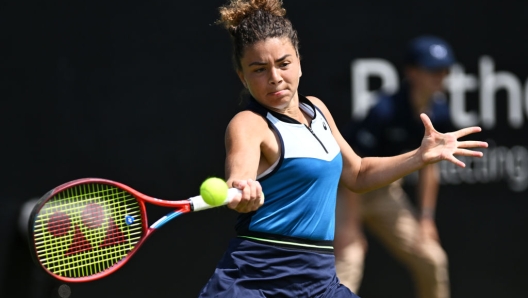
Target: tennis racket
pixel 88 228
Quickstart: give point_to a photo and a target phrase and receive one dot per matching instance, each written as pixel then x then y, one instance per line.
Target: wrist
pixel 419 160
pixel 427 213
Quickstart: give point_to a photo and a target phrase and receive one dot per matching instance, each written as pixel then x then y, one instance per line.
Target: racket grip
pixel 199 204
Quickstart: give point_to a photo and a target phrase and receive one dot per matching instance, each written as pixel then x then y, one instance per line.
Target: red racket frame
pixel 182 206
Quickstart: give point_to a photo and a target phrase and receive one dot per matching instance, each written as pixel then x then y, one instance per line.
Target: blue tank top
pixel 301 187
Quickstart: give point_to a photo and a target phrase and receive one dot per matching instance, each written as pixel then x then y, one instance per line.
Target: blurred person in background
pixel 393 126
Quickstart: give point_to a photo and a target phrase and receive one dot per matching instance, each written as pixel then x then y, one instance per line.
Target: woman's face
pixel 271 70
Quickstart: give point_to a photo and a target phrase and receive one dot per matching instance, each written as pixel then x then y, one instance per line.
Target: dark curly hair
pixel 250 21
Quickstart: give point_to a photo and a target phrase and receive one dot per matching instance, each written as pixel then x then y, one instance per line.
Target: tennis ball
pixel 214 191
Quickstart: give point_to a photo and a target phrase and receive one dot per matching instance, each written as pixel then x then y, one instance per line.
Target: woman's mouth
pixel 276 93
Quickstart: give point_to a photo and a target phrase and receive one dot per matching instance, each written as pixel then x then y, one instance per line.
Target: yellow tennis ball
pixel 214 191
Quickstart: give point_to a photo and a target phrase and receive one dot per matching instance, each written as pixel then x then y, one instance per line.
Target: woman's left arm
pixel 365 174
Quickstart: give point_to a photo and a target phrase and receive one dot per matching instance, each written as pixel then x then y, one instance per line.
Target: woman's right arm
pixel 243 139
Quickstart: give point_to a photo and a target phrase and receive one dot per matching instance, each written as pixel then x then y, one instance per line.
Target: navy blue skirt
pixel 253 269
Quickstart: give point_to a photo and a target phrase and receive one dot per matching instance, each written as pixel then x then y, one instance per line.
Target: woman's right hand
pixel 251 197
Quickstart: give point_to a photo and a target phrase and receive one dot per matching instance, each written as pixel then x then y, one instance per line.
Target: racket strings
pixel 87 229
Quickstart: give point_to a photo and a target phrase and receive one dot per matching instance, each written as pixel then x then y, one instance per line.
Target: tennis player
pixel 287 145
pixel 391 127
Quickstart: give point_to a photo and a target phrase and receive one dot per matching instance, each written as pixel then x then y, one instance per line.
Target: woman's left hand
pixel 438 146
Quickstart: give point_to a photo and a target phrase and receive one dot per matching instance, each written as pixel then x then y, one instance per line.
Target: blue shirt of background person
pixel 392 127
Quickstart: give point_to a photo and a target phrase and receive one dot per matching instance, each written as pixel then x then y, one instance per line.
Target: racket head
pixel 86 229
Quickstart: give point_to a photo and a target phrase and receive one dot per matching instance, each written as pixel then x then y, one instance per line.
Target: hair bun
pixel 233 13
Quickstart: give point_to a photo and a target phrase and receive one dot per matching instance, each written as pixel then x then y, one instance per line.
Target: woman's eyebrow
pixel 264 63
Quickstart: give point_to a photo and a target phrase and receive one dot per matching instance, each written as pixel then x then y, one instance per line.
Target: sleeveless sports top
pixel 301 187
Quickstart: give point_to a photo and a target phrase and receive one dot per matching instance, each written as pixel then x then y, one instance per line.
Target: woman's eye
pixel 285 64
pixel 259 70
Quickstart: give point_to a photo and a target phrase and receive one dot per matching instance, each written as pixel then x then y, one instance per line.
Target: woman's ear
pixel 241 77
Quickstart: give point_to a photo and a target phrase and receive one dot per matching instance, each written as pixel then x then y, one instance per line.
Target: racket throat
pixel 160 222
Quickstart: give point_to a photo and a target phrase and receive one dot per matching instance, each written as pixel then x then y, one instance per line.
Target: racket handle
pixel 199 204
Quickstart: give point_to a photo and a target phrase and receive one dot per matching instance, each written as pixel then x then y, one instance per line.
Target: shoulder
pixel 247 120
pixel 319 104
pixel 384 106
pixel 441 108
pixel 441 115
pixel 245 124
